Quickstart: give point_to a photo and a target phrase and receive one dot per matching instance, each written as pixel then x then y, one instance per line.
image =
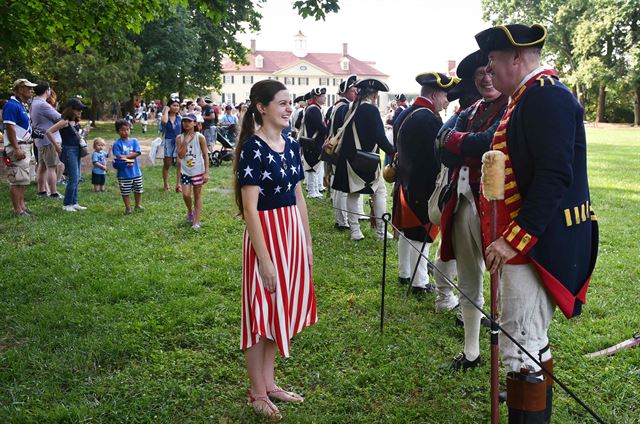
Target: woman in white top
pixel 194 169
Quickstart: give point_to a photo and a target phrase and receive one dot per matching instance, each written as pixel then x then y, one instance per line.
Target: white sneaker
pixel 78 207
pixel 357 235
pixel 381 237
pixel 68 208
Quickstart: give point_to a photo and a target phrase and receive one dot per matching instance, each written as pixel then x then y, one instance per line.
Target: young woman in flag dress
pixel 278 296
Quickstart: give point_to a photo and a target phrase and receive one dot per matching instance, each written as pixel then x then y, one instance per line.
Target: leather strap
pixel 525 392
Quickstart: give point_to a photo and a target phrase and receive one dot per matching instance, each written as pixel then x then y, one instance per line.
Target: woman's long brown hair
pixel 261 92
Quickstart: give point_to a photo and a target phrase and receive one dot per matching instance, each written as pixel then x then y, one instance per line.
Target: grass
pixel 113 318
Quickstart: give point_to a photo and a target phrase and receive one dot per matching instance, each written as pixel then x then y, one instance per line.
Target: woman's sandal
pixel 262 405
pixel 284 396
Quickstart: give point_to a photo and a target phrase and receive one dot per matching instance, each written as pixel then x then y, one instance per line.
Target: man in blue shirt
pixel 17 128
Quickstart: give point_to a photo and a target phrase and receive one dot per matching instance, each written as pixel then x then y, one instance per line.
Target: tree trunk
pixel 636 108
pixel 94 109
pixel 602 97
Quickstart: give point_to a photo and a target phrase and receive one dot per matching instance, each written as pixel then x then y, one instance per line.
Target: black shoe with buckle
pixel 340 227
pixel 461 363
pixel 404 280
pixel 421 291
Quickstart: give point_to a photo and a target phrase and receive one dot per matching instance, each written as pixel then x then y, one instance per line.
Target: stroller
pixel 225 137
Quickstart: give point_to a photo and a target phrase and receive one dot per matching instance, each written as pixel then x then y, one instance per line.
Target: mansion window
pixel 227 79
pixel 229 98
pixel 337 81
pixel 324 81
pixel 303 81
pixel 289 81
pixel 247 79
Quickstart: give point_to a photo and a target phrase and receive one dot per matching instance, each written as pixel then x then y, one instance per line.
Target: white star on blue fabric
pixel 248 171
pixel 283 172
pixel 261 191
pixel 294 170
pixel 242 154
pixel 258 143
pixel 291 152
pixel 270 157
pixel 257 154
pixel 265 175
pixel 277 190
pixel 288 186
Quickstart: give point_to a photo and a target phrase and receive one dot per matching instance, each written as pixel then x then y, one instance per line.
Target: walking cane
pixel 493 190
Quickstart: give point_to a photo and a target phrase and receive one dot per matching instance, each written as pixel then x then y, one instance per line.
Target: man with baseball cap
pixel 548 240
pixel 17 129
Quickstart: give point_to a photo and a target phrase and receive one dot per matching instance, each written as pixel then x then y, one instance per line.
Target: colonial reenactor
pixel 549 233
pixel 356 170
pixel 461 150
pixel 415 132
pixel 296 116
pixel 466 93
pixel 334 120
pixel 315 129
pixel 401 103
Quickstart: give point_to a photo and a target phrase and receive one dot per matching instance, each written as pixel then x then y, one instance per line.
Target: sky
pixel 403 37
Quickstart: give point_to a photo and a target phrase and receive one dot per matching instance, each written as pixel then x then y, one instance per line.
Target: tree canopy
pixel 592 43
pixel 109 49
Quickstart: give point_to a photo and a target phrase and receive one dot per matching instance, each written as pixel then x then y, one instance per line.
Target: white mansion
pixel 299 70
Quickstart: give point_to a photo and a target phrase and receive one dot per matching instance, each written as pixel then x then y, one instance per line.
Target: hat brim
pixel 468 65
pixel 465 87
pixel 437 80
pixel 507 37
pixel 372 84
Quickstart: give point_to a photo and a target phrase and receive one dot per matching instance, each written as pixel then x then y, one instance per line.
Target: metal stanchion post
pixel 386 218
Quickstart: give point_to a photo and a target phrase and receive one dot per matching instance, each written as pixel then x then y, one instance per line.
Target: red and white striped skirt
pixel 284 313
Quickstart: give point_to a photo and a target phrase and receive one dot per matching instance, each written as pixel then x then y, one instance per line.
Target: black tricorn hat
pixel 372 84
pixel 468 65
pixel 318 92
pixel 505 37
pixel 347 83
pixel 437 80
pixel 307 96
pixel 298 99
pixel 401 97
pixel 464 88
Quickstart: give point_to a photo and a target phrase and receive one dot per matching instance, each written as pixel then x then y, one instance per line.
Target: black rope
pixel 488 316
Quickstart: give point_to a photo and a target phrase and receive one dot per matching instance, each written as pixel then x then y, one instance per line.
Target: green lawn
pixel 113 318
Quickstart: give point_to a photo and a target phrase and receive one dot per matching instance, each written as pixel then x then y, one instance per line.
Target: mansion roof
pixel 276 61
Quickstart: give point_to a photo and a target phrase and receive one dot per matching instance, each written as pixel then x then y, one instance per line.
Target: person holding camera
pixel 43 117
pixel 72 142
pixel 170 124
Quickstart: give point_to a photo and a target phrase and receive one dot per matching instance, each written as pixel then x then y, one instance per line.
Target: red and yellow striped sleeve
pixel 519 238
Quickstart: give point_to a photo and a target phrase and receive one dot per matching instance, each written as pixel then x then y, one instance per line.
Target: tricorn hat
pixel 207 99
pixel 318 91
pixel 372 84
pixel 401 97
pixel 464 88
pixel 437 80
pixel 347 83
pixel 468 65
pixel 307 96
pixel 298 99
pixel 505 37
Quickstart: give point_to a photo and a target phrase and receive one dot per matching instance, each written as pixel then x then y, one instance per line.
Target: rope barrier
pixel 386 219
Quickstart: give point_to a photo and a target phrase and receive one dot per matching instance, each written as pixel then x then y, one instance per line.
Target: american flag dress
pixel 280 315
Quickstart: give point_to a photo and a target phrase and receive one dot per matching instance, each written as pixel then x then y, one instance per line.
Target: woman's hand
pixel 268 274
pixel 310 257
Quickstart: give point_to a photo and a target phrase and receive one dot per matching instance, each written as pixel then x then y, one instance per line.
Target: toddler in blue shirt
pixel 99 160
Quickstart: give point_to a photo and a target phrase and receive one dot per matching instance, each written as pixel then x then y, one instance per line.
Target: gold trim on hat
pixel 516 44
pixel 453 81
